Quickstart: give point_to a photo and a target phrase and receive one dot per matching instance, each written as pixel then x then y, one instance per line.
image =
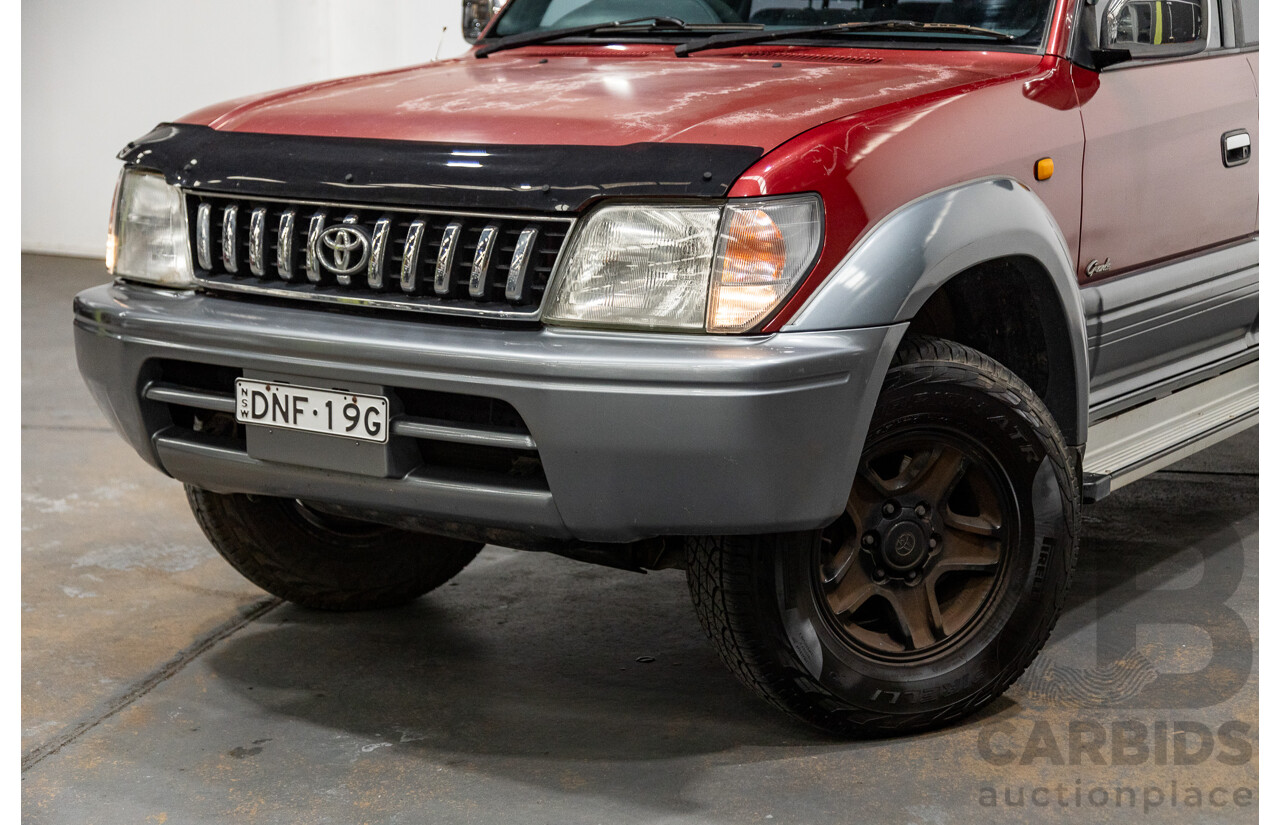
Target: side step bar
pixel 1136 443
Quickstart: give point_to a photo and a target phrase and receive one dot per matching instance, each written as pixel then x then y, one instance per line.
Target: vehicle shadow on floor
pixel 534 654
pixel 526 671
pixel 529 666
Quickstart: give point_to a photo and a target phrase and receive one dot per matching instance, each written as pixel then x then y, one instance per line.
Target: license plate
pixel 363 417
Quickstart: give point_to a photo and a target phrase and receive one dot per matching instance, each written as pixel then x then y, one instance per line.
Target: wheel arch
pixel 983 262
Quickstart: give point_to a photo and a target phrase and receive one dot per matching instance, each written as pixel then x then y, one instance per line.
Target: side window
pixel 1246 22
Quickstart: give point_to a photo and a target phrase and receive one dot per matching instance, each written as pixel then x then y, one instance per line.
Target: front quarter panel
pixel 901 262
pixel 869 165
pixel 906 258
pixel 915 195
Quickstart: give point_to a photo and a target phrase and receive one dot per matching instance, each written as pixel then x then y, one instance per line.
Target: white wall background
pixel 97 74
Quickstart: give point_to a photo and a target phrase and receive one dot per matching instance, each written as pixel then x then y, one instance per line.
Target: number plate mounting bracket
pixel 326 452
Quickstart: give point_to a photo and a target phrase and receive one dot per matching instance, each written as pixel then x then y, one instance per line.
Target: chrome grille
pixel 430 261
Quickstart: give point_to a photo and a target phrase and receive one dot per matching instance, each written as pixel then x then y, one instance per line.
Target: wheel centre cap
pixel 904 547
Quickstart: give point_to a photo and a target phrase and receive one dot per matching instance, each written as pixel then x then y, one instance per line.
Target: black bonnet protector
pixel 539 178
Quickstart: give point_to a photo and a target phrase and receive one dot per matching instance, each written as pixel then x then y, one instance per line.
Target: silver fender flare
pixel 894 268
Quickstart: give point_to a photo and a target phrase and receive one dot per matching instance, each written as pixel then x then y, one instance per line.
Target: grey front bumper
pixel 638 434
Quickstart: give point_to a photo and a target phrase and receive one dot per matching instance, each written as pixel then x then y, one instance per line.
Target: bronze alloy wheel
pixel 914 563
pixel 935 587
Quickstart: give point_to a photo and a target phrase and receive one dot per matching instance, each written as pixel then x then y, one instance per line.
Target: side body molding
pixel 896 266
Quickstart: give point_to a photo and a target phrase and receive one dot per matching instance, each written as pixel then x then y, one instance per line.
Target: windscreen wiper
pixel 515 41
pixel 722 41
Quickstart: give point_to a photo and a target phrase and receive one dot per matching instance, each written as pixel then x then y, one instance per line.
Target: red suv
pixel 846 309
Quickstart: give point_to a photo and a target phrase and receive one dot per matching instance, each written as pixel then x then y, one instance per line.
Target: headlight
pixel 147 239
pixel 685 268
pixel 638 266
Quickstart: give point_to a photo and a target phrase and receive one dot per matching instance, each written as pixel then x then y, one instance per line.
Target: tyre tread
pixel 722 574
pixel 289 564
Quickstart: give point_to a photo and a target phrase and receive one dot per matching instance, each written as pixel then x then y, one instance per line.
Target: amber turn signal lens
pixel 765 247
pixel 755 254
pixel 755 251
pixel 1044 168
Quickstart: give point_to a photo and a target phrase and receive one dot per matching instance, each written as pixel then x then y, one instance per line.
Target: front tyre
pixel 939 583
pixel 321 561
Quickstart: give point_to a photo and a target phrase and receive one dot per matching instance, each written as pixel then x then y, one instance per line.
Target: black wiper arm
pixel 515 41
pixel 723 41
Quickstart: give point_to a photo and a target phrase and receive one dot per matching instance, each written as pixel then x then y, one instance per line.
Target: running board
pixel 1136 443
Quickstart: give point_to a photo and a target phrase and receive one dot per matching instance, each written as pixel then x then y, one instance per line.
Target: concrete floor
pixel 158 686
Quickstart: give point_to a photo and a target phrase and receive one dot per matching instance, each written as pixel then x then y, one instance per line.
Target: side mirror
pixel 1153 29
pixel 476 14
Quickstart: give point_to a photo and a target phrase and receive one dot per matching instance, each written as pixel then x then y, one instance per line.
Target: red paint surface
pixel 868 165
pixel 1059 40
pixel 612 95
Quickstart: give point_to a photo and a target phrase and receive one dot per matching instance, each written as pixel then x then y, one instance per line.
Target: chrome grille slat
pixel 409 263
pixel 284 246
pixel 444 260
pixel 377 257
pixel 229 261
pixel 313 236
pixel 518 271
pixel 479 282
pixel 204 246
pixel 448 262
pixel 257 239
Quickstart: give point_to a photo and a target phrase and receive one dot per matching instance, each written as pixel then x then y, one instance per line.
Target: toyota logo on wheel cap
pixel 342 249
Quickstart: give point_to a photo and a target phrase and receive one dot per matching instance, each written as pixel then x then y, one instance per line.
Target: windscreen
pixel 1024 20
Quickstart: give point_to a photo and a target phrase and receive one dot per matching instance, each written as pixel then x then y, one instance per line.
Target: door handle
pixel 1237 148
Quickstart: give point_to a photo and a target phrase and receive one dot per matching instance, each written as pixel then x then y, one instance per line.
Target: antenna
pixel 440 43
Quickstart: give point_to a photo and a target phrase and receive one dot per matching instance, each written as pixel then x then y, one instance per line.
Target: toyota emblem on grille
pixel 343 249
